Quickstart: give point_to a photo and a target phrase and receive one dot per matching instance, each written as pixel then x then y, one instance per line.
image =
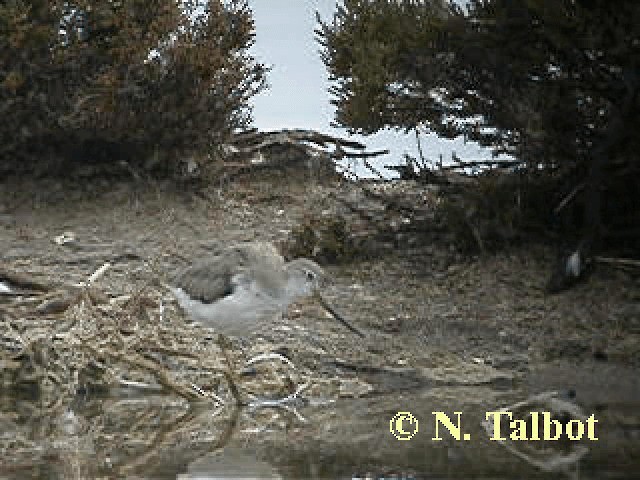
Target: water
pixel 161 437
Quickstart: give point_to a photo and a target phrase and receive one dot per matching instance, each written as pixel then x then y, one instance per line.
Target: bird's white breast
pixel 238 314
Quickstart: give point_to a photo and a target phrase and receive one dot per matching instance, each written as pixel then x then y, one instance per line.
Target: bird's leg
pixel 225 345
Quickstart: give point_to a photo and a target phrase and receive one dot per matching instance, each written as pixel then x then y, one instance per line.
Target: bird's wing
pixel 211 280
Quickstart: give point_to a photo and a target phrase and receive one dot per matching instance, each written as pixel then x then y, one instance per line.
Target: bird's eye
pixel 310 275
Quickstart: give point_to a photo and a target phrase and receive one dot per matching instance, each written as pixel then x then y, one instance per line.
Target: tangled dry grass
pixel 147 381
pixel 58 343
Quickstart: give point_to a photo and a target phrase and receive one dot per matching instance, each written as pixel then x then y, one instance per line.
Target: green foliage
pixel 554 83
pixel 548 75
pixel 141 74
pixel 364 48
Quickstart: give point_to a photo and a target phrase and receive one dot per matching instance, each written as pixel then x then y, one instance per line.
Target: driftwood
pixel 247 148
pixel 620 262
pixel 566 200
pixel 365 155
pixel 372 169
pixel 25 281
pixel 252 140
pixel 547 459
pixel 462 164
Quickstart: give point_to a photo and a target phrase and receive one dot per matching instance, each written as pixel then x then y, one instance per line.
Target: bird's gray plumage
pixel 239 286
pixel 211 279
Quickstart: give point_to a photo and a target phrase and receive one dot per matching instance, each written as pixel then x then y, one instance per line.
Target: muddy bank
pixel 441 328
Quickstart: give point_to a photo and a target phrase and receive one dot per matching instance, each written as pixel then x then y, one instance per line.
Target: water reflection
pixel 230 463
pixel 163 438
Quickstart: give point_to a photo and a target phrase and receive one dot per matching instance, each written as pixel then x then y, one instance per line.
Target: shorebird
pixel 239 288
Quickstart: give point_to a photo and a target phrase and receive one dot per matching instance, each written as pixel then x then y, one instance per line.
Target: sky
pixel 298 96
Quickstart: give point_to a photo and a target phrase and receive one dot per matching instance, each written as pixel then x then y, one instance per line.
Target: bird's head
pixel 306 277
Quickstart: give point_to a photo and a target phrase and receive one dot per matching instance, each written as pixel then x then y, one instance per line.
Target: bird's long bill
pixel 336 315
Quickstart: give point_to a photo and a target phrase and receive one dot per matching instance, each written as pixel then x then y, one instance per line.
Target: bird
pixel 238 288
